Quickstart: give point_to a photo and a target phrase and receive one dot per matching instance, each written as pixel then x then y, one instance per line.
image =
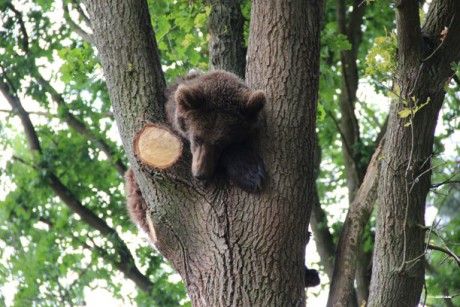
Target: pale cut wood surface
pixel 157 147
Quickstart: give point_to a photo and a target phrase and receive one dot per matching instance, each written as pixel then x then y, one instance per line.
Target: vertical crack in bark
pixel 230 270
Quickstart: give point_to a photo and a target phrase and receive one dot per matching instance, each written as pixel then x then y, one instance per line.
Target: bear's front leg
pixel 243 167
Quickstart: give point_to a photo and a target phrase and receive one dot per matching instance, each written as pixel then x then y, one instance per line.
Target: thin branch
pixel 79 126
pixel 71 120
pixel 342 136
pixel 167 32
pixel 76 28
pixel 25 37
pixel 437 185
pixel 416 180
pixel 126 263
pixel 17 108
pixel 82 13
pixel 407 190
pixel 52 115
pixel 446 251
pixel 23 161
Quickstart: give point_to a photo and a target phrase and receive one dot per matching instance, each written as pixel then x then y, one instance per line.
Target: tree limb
pixel 83 15
pixel 445 251
pixel 76 28
pixel 25 37
pixel 409 32
pixel 319 226
pixel 126 264
pixel 342 285
pixel 70 119
pixel 226 26
pixel 17 108
pixel 79 126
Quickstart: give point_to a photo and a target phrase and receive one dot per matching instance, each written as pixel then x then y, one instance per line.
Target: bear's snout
pixel 204 162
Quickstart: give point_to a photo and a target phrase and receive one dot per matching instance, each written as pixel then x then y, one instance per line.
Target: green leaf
pixel 405 113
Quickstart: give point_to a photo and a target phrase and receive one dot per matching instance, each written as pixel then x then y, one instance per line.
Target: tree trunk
pixel 342 290
pixel 348 271
pixel 226 46
pixel 349 123
pixel 318 223
pixel 230 248
pixel 398 270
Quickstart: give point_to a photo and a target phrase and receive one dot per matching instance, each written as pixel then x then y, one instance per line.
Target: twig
pixel 76 28
pixel 414 182
pixel 167 32
pixel 446 251
pixel 445 182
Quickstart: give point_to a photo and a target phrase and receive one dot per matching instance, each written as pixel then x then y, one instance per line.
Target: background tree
pixel 74 165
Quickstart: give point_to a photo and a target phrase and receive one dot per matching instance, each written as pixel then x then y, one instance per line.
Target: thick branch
pixel 408 151
pixel 349 127
pixel 409 33
pixel 342 285
pixel 444 16
pixel 80 127
pixel 29 130
pixel 25 37
pixel 157 147
pixel 319 225
pixel 226 26
pixel 349 123
pixel 126 263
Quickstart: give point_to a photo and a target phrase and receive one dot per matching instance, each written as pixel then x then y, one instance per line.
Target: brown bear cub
pixel 219 115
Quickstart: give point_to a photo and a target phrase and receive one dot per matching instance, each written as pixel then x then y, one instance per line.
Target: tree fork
pixel 230 247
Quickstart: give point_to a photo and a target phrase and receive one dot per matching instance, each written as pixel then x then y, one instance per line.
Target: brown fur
pixel 137 207
pixel 218 114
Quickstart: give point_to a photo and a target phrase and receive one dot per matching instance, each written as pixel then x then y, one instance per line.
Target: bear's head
pixel 214 112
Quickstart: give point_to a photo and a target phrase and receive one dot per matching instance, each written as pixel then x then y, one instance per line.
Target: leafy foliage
pixel 180 28
pixel 49 256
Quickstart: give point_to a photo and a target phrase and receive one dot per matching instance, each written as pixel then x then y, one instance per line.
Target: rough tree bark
pixel 342 290
pixel 230 247
pixel 226 46
pixel 349 127
pixel 424 57
pixel 352 156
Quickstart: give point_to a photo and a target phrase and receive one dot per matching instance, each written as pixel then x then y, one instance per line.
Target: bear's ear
pixel 188 98
pixel 255 103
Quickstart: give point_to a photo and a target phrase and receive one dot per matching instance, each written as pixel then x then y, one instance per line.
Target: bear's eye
pixel 197 141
